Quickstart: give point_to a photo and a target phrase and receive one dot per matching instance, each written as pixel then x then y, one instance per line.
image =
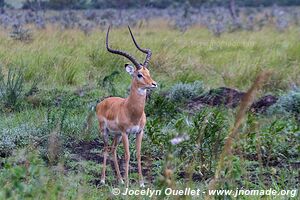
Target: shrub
pixel 25 176
pixel 277 140
pixel 181 92
pixel 18 136
pixel 160 107
pixel 288 104
pixel 21 34
pixel 11 89
pixel 108 83
pixel 198 138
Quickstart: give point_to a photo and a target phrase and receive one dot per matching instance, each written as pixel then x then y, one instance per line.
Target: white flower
pixel 179 139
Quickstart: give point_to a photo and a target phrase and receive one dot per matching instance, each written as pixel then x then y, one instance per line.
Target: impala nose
pixel 154 84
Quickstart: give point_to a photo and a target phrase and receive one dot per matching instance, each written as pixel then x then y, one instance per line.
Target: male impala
pixel 120 116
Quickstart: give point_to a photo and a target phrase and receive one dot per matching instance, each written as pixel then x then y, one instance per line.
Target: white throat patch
pixel 142 91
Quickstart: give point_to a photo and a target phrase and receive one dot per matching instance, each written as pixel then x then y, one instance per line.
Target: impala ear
pixel 129 69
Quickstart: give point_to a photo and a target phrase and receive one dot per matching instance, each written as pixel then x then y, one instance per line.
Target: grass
pixel 46 153
pixel 233 135
pixel 66 58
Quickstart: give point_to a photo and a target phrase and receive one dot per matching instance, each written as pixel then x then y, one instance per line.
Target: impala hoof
pixel 142 184
pixel 102 182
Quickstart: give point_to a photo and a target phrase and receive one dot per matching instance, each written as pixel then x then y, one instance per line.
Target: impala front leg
pixel 127 156
pixel 139 138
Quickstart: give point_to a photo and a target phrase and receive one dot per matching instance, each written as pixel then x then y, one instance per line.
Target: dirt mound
pixel 229 98
pixel 217 97
pixel 263 103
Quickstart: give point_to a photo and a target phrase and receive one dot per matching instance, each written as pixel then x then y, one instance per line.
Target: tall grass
pixel 231 60
pixel 245 104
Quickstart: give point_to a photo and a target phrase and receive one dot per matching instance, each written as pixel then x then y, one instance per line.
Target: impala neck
pixel 135 102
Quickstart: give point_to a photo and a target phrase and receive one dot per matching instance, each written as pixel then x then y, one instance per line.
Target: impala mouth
pixel 150 87
pixel 153 85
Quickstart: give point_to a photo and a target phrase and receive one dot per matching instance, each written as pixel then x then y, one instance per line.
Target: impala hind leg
pixel 104 134
pixel 127 156
pixel 114 151
pixel 139 138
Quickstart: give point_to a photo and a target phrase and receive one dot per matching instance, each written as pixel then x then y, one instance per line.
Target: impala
pixel 122 116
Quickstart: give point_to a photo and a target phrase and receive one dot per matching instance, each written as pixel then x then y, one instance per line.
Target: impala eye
pixel 140 76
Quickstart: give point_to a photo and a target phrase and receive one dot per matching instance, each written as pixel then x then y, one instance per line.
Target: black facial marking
pixel 140 76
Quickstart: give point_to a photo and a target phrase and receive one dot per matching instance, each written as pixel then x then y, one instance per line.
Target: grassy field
pixel 66 57
pixel 46 154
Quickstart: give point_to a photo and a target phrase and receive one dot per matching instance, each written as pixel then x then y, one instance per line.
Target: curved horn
pixel 122 53
pixel 146 51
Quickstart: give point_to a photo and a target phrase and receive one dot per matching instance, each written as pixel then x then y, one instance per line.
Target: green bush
pixel 26 176
pixel 288 104
pixel 109 83
pixel 159 106
pixel 181 92
pixel 22 178
pixel 11 88
pixel 278 140
pixel 274 145
pixel 21 34
pixel 198 138
pixel 19 136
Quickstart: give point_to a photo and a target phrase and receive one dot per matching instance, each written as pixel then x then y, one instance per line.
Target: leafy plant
pixel 193 140
pixel 14 137
pixel 21 34
pixel 22 181
pixel 160 106
pixel 108 82
pixel 181 92
pixel 288 104
pixel 11 88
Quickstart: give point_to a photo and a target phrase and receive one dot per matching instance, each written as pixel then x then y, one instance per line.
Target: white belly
pixel 133 129
pixel 112 126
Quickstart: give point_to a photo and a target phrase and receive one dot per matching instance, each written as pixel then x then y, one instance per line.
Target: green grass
pixel 66 58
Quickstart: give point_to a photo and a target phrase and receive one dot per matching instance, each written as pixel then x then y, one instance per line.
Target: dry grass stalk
pixel 246 102
pixel 89 122
pixel 54 145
